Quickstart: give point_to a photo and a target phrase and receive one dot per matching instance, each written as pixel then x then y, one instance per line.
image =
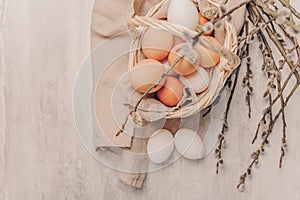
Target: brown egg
pixel 156 44
pixel 202 22
pixel 146 61
pixel 184 66
pixel 171 93
pixel 146 73
pixel 207 58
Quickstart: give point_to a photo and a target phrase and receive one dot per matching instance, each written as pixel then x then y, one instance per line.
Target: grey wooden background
pixel 41 157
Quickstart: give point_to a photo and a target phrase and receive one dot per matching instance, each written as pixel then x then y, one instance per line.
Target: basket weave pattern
pixel 228 63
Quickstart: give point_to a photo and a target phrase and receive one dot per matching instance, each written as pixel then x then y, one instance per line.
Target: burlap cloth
pixel 108 19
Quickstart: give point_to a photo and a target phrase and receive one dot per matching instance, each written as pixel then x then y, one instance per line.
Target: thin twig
pixel 255 156
pixel 284 125
pixel 221 137
pixel 265 140
pixel 123 126
pixel 291 8
pixel 247 83
pixel 274 39
pixel 278 78
pixel 253 10
pixel 157 82
pixel 223 16
pixel 146 93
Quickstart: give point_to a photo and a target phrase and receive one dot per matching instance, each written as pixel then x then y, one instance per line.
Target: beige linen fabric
pixel 104 115
pixel 109 18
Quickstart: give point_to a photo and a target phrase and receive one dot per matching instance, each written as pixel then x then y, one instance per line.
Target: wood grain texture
pixel 41 156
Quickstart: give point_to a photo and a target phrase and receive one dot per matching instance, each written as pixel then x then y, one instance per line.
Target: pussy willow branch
pixel 147 92
pixel 123 126
pixel 243 52
pixel 278 79
pixel 195 39
pixel 221 136
pixel 255 21
pixel 273 37
pixel 293 39
pixel 283 53
pixel 265 140
pixel 157 82
pixel 277 97
pixel 274 14
pixel 247 83
pixel 229 12
pixel 284 125
pixel 254 31
pixel 267 52
pixel 291 8
pixel 255 156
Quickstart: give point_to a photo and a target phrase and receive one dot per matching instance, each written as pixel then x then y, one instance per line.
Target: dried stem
pixel 247 83
pixel 284 125
pixel 274 39
pixel 253 11
pixel 266 138
pixel 223 16
pixel 254 156
pixel 133 113
pixel 274 14
pixel 123 126
pixel 278 78
pixel 255 16
pixel 291 8
pixel 195 40
pixel 221 137
pixel 157 82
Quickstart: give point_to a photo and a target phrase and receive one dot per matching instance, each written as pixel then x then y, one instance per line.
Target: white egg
pixel 160 146
pixel 183 12
pixel 188 143
pixel 198 80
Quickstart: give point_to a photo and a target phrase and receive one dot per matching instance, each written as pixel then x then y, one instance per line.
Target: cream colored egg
pixel 160 146
pixel 145 74
pixel 188 143
pixel 198 80
pixel 183 12
pixel 156 44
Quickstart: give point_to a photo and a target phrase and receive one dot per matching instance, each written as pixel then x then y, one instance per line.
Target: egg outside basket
pixel 228 62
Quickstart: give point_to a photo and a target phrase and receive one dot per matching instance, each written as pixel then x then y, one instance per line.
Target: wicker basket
pixel 229 60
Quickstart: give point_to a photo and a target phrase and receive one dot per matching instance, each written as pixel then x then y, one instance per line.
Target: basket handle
pixel 182 32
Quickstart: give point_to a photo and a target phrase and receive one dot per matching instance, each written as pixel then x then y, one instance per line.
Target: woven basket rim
pixel 229 60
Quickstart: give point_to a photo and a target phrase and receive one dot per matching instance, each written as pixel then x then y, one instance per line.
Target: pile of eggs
pixel 161 49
